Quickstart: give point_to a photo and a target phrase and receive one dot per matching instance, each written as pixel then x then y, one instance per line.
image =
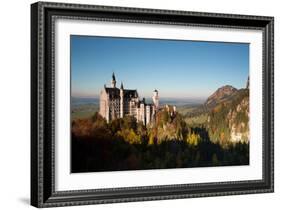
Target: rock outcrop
pixel 228 119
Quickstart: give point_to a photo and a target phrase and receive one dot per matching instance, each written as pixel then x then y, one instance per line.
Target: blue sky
pixel 177 69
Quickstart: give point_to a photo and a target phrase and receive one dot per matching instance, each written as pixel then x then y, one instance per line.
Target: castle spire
pixel 155 98
pixel 113 81
pixel 121 100
pixel 113 76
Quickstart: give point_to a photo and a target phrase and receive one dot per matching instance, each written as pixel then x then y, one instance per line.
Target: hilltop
pixel 220 95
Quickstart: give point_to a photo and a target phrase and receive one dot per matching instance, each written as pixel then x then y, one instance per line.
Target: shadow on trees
pixel 124 144
pixel 115 154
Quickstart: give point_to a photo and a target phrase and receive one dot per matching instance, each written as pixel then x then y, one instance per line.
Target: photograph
pixel 133 104
pixel 143 103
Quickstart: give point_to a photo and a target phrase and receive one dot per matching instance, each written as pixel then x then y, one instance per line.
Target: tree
pixel 82 127
pixel 115 125
pixel 98 118
pixel 151 139
pixel 215 159
pixel 193 138
pixel 129 122
pixel 162 118
pixel 129 136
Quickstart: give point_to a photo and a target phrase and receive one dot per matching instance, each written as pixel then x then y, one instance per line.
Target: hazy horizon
pixel 175 98
pixel 78 101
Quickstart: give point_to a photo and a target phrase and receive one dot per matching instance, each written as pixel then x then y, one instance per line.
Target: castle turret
pixel 142 112
pixel 113 81
pixel 155 99
pixel 148 114
pixel 121 100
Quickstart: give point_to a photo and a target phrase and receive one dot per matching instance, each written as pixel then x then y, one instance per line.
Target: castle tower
pixel 121 101
pixel 148 114
pixel 155 99
pixel 142 112
pixel 113 81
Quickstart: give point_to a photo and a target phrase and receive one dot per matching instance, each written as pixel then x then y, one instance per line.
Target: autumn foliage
pixel 124 144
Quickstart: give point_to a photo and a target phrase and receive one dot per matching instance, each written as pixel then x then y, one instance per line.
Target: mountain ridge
pixel 220 95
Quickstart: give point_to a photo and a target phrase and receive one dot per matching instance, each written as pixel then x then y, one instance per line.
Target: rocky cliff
pixel 228 119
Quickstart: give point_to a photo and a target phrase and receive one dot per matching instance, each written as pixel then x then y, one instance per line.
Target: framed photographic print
pixel 132 104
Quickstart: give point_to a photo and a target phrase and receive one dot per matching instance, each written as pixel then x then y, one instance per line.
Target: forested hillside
pixel 228 121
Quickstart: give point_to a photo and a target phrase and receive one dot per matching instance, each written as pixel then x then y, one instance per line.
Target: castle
pixel 119 102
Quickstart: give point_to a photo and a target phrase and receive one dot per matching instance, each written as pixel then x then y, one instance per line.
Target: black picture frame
pixel 43 15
